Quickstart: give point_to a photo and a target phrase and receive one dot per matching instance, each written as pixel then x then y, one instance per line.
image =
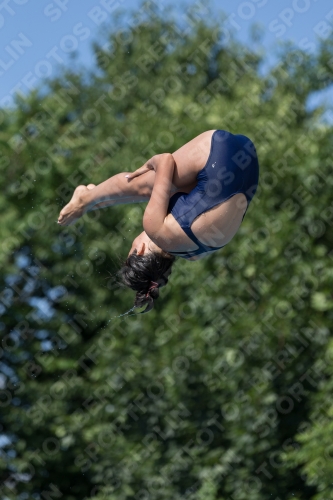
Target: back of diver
pixel 232 167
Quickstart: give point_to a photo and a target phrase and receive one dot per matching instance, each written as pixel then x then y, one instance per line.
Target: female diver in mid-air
pixel 197 199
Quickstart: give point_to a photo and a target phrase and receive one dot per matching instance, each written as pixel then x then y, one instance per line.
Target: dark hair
pixel 139 271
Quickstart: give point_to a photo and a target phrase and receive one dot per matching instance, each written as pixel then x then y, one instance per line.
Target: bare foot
pixel 75 208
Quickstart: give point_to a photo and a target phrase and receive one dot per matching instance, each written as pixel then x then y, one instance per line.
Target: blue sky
pixel 39 36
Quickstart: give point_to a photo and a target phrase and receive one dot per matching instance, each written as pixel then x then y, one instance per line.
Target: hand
pixel 149 165
pixel 75 208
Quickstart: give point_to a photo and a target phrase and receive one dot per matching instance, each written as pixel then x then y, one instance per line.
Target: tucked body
pixel 197 198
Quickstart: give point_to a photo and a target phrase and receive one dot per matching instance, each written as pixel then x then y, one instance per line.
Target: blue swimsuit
pixel 232 167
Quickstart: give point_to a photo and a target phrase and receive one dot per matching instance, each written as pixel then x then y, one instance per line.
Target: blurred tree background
pixel 224 390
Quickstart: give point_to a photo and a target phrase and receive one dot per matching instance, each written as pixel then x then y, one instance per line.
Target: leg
pixel 114 191
pixel 143 186
pixel 104 204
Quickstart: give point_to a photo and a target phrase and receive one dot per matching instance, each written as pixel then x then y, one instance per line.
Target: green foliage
pixel 224 390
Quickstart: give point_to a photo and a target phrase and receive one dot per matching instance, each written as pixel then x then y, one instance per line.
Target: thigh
pixel 191 158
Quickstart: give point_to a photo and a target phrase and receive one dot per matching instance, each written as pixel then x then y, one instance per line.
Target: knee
pixel 146 184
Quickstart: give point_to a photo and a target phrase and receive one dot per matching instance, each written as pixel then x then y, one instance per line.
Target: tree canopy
pixel 223 391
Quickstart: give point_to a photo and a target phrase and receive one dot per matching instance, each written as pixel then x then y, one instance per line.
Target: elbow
pixel 152 227
pixel 163 157
pixel 169 157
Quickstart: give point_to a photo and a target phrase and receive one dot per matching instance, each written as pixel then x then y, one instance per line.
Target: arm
pixel 156 210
